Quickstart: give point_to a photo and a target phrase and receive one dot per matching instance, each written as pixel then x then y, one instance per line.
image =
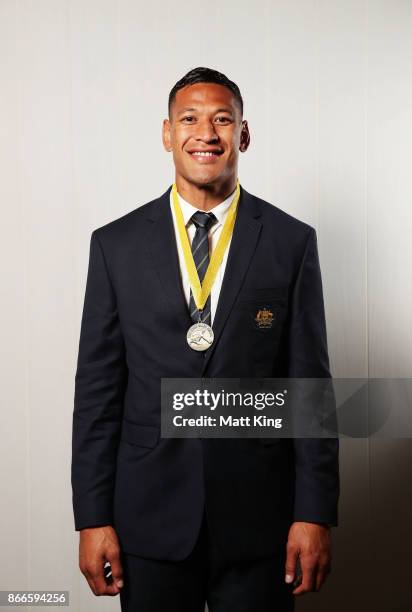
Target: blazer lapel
pixel 163 249
pixel 245 237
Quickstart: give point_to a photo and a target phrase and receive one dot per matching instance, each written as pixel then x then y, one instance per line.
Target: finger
pixel 309 570
pixel 89 575
pixel 112 589
pixel 86 573
pixel 90 581
pixel 292 554
pixel 111 586
pixel 323 571
pixel 100 585
pixel 116 567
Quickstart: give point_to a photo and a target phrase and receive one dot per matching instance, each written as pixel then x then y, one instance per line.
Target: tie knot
pixel 204 220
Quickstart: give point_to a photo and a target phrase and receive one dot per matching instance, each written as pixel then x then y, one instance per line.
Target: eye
pixel 223 119
pixel 188 118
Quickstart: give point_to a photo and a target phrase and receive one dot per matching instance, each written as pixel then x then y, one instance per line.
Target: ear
pixel 244 137
pixel 166 136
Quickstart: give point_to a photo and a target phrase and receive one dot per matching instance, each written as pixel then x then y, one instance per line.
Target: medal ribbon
pixel 202 292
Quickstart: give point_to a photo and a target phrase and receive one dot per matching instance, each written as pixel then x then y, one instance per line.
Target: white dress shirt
pixel 220 211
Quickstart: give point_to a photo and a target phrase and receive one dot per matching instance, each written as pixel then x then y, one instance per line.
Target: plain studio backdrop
pixel 328 96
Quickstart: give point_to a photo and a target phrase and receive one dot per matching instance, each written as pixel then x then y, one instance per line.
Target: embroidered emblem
pixel 264 319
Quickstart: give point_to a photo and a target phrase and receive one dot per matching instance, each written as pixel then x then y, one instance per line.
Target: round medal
pixel 200 336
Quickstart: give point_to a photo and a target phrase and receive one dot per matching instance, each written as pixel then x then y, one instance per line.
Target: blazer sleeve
pixel 316 459
pixel 100 382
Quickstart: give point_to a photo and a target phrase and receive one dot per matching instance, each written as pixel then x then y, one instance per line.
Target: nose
pixel 205 131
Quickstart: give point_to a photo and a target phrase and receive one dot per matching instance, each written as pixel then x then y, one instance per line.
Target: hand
pixel 97 546
pixel 311 542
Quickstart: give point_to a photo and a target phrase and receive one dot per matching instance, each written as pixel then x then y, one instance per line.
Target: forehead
pixel 201 95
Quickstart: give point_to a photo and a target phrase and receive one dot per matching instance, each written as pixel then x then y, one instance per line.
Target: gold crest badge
pixel 264 318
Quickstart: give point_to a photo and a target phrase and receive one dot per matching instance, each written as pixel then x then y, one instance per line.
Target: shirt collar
pixel 220 210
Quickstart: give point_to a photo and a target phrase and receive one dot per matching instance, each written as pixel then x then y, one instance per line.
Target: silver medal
pixel 200 336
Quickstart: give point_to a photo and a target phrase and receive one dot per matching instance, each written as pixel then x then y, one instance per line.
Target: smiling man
pixel 174 290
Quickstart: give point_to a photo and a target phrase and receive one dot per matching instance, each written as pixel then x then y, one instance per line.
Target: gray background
pixel 328 95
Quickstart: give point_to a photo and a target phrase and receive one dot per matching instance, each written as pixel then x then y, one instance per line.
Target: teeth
pixel 203 153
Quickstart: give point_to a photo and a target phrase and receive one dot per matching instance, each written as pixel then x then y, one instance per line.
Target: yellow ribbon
pixel 202 291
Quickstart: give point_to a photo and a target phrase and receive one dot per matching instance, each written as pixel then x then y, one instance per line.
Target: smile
pixel 205 156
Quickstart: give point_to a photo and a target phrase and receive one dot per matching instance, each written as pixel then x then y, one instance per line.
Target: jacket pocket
pixel 140 435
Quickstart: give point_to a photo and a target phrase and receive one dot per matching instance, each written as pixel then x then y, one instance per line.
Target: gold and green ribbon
pixel 202 291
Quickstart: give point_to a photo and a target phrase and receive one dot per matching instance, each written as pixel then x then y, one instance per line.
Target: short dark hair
pixel 206 75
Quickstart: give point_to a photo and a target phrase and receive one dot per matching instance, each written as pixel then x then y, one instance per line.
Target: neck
pixel 205 197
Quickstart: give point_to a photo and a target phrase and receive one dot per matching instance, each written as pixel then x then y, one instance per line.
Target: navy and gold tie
pixel 200 251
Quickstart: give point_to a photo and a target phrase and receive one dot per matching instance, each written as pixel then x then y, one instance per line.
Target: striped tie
pixel 200 251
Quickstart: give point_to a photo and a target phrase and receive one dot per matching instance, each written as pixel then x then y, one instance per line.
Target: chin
pixel 204 178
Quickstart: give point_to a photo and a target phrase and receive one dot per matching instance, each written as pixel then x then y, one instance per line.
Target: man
pixel 184 521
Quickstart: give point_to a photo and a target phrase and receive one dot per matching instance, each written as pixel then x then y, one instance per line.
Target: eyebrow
pixel 218 110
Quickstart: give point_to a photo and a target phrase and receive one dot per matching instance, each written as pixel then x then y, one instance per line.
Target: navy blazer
pixel 133 332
